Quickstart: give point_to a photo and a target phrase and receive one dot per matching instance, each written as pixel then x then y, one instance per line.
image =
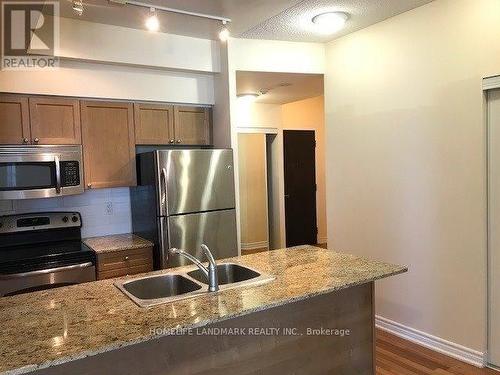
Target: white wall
pixel 406 160
pixel 96 42
pixel 258 115
pixel 104 211
pixel 276 56
pixel 115 62
pixel 83 79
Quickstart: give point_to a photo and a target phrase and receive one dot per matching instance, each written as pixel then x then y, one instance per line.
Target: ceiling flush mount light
pixel 330 22
pixel 152 23
pixel 224 33
pixel 78 7
pixel 248 97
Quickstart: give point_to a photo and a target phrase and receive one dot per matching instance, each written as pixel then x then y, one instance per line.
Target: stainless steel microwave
pixel 28 172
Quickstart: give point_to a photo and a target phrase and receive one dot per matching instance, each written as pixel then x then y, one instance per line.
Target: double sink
pixel 154 290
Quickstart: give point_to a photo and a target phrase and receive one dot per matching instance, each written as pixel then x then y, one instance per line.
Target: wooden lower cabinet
pixel 108 144
pixel 124 262
pixel 192 125
pixel 14 120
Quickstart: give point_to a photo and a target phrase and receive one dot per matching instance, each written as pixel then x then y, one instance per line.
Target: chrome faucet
pixel 210 272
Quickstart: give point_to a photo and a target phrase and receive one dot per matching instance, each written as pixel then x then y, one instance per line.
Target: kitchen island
pixel 316 316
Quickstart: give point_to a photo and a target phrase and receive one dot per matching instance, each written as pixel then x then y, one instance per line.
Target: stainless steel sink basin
pixel 153 290
pixel 147 291
pixel 227 273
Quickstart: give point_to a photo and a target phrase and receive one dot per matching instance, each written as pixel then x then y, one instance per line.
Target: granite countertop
pixel 50 327
pixel 117 242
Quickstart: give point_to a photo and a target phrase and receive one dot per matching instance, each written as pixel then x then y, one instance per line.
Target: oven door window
pixel 27 175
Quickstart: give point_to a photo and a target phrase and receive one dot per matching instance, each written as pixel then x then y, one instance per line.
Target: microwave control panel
pixel 70 173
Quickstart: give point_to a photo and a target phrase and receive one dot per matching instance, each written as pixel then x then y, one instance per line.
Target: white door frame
pixel 490 83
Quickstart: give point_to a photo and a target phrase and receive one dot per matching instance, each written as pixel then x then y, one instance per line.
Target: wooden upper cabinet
pixel 108 144
pixel 14 120
pixel 192 125
pixel 154 124
pixel 55 121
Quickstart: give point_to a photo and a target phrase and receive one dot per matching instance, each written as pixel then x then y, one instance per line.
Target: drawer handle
pixel 126 258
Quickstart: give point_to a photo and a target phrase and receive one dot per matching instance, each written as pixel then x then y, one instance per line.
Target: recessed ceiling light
pixel 152 23
pixel 330 22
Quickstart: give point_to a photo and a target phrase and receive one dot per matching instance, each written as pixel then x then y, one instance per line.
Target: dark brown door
pixel 300 187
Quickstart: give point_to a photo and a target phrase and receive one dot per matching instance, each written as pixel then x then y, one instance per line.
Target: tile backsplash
pixel 104 211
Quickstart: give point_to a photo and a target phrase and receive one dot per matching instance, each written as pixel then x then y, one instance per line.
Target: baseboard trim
pixel 254 245
pixel 437 344
pixel 322 240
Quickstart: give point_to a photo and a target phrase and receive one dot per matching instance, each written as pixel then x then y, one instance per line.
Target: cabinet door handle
pixel 178 141
pixel 36 140
pixel 171 141
pixel 25 141
pixel 126 258
pixel 89 186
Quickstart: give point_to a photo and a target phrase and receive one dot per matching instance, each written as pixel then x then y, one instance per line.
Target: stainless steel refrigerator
pixel 185 198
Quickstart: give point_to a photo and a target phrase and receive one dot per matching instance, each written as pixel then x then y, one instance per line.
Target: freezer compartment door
pixel 215 229
pixel 196 180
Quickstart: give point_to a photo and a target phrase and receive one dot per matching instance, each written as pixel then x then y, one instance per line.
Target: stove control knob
pixel 65 219
pixel 74 219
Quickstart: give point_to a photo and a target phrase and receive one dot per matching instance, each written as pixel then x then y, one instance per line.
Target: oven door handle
pixel 58 174
pixel 44 272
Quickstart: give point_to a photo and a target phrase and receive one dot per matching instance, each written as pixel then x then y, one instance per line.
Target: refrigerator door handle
pixel 163 192
pixel 164 243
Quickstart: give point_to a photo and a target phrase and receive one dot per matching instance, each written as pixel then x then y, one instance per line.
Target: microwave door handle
pixel 58 174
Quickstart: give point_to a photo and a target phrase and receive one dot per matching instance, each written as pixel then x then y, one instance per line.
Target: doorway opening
pixel 287 112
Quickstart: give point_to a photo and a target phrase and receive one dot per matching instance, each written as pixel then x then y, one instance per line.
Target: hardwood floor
pixel 396 356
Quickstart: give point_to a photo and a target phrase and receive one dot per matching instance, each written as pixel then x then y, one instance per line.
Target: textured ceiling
pixel 294 24
pixel 256 19
pixel 279 88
